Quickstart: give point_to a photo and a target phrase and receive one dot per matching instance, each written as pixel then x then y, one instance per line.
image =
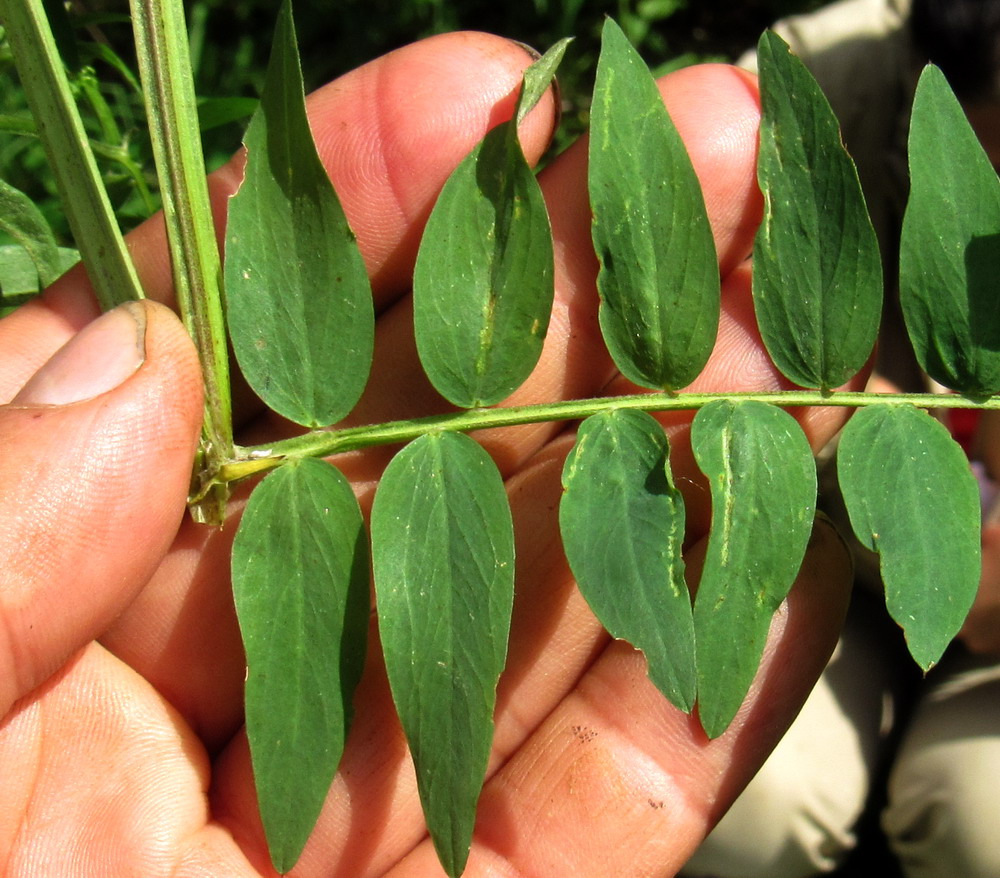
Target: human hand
pixel 981 630
pixel 122 750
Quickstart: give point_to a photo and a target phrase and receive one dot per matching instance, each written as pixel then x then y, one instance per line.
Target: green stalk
pixel 78 180
pixel 171 108
pixel 323 443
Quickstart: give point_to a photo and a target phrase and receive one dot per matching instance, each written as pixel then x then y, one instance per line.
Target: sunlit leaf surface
pixel 659 277
pixel 443 553
pixel 763 481
pixel 912 498
pixel 300 582
pixel 817 274
pixel 950 247
pixel 622 523
pixel 299 302
pixel 482 285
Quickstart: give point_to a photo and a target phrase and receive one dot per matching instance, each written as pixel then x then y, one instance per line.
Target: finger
pixel 618 782
pixel 97 461
pixel 99 776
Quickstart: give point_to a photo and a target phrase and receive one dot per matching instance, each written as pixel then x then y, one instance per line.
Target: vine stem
pixel 250 460
pixel 171 108
pixel 60 128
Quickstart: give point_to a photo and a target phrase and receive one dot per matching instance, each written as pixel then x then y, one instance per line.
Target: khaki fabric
pixel 943 816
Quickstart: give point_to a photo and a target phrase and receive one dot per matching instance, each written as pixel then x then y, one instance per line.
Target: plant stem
pixel 60 128
pixel 171 108
pixel 324 443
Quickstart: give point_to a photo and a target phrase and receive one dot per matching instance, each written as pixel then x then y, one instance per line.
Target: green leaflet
pixel 300 582
pixel 950 245
pixel 482 284
pixel 817 276
pixel 19 278
pixel 622 524
pixel 443 555
pixel 299 302
pixel 659 276
pixel 763 480
pixel 912 498
pixel 24 222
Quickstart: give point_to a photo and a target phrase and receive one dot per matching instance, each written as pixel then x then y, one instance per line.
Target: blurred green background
pixel 230 41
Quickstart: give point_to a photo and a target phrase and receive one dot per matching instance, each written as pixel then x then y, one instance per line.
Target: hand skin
pixel 121 672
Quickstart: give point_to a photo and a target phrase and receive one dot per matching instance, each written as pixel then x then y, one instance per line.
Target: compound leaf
pixel 443 553
pixel 817 275
pixel 483 281
pixel 950 245
pixel 763 481
pixel 300 582
pixel 659 275
pixel 912 498
pixel 299 301
pixel 622 523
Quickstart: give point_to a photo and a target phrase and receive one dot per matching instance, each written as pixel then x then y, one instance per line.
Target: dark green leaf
pixel 24 222
pixel 300 582
pixel 950 246
pixel 817 276
pixel 443 553
pixel 763 480
pixel 622 523
pixel 912 498
pixel 659 277
pixel 299 301
pixel 482 285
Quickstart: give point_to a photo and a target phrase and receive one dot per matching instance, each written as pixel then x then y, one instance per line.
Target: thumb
pixel 96 463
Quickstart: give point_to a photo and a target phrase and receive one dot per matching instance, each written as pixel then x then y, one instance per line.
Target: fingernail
pixel 99 358
pixel 531 50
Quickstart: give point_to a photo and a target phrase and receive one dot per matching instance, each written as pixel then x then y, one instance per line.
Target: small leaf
pixel 483 280
pixel 24 222
pixel 538 77
pixel 817 275
pixel 659 276
pixel 443 553
pixel 299 301
pixel 950 245
pixel 912 498
pixel 300 582
pixel 763 481
pixel 622 523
